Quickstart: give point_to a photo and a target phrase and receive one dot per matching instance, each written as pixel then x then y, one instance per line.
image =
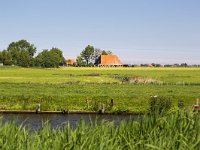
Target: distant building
pixel 70 62
pixel 109 61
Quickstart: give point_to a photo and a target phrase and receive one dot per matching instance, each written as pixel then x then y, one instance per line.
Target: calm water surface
pixel 36 121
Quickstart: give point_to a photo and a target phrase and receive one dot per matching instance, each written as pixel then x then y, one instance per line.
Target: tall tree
pixel 97 54
pixel 1 57
pixel 6 57
pixel 49 59
pixel 56 57
pixel 41 59
pixel 87 54
pixel 80 61
pixel 20 47
pixel 24 58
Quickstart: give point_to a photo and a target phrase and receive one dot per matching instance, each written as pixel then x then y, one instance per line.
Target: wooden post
pixel 103 109
pixel 87 103
pixel 196 106
pixel 197 102
pixel 111 103
pixel 65 111
pixel 38 109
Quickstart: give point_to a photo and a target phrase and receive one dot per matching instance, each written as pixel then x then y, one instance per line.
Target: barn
pixel 109 61
pixel 70 62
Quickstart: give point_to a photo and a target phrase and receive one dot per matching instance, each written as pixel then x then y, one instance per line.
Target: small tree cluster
pixel 21 53
pixel 49 59
pixel 18 53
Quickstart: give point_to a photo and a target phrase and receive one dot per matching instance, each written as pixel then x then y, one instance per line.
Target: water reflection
pixel 36 121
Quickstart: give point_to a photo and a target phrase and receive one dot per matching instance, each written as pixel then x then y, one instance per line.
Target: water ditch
pixel 36 121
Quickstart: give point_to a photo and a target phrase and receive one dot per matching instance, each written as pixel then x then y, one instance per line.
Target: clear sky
pixel 139 31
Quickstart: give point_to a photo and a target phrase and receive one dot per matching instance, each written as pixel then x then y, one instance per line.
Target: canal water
pixel 36 121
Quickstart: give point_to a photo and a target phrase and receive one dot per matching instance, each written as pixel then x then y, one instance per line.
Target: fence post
pixel 38 109
pixel 103 109
pixel 87 103
pixel 111 103
pixel 196 106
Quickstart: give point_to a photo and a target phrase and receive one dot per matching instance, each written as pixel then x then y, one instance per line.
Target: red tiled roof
pixel 110 60
pixel 71 61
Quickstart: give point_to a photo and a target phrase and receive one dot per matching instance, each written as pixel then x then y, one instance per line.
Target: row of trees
pixel 22 53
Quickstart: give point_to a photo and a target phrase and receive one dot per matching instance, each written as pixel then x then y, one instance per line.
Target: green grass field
pixel 68 88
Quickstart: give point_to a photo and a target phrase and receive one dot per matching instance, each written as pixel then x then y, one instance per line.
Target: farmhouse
pixel 70 62
pixel 109 61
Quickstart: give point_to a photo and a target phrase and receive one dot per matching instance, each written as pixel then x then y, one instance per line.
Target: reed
pixel 179 130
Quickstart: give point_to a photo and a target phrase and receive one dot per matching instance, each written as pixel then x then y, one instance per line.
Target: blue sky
pixel 139 31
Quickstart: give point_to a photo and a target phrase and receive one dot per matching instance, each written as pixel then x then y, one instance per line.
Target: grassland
pixel 68 88
pixel 172 131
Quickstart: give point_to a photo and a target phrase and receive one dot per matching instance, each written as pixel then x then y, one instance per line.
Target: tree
pixel 24 59
pixel 109 53
pixel 106 52
pixel 88 54
pixel 63 63
pixel 158 65
pixel 56 57
pixel 1 57
pixel 20 47
pixel 184 65
pixel 49 59
pixel 97 54
pixel 80 61
pixel 6 57
pixel 41 59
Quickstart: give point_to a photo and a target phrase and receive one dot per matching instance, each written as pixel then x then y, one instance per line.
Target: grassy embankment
pixel 68 88
pixel 173 131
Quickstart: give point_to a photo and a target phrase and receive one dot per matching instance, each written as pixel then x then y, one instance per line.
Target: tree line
pixel 22 53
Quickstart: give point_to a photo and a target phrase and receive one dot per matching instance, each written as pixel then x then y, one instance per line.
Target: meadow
pixel 179 130
pixel 68 88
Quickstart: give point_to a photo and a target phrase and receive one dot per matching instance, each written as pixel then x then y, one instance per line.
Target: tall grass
pixel 180 130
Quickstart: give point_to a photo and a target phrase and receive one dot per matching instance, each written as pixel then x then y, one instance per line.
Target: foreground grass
pixel 175 131
pixel 68 88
